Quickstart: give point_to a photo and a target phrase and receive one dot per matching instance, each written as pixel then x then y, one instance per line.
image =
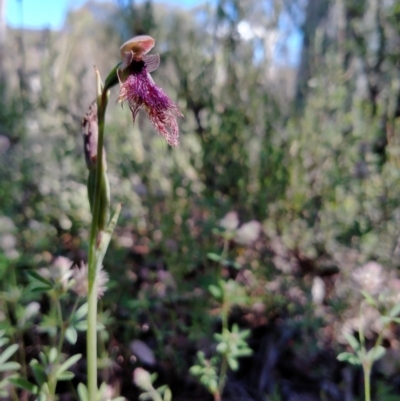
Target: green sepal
pixel 112 78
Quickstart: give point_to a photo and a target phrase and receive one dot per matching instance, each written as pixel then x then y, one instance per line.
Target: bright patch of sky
pixel 38 14
pixel 282 46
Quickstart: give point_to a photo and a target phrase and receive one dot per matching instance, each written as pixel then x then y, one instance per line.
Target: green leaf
pixel 68 363
pixel 371 301
pixel 83 392
pixel 244 352
pixel 167 394
pixel 41 289
pixel 9 366
pixel 81 312
pixel 38 277
pixel 112 78
pixel 38 372
pixel 53 354
pixel 25 384
pixel 71 335
pixel 376 353
pixel 100 326
pixel 215 291
pixel 8 353
pixel 64 376
pixel 81 326
pixel 233 363
pixel 222 348
pixel 350 358
pixel 214 257
pixel 195 370
pixel 43 358
pixel 353 342
pixel 395 310
pixel 387 319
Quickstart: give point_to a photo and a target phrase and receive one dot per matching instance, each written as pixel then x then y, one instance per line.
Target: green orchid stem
pixel 95 238
pixel 367 381
pixel 92 343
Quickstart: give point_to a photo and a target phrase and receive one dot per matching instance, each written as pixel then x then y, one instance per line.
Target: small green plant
pixel 52 365
pixel 367 357
pixel 144 381
pixel 231 343
pixel 47 371
pixel 7 367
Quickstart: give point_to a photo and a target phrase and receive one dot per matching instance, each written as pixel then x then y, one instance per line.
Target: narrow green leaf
pixel 371 301
pixel 43 358
pixel 387 319
pixel 215 291
pixel 83 392
pixel 81 312
pixel 25 384
pixel 167 394
pixel 100 326
pixel 68 363
pixel 71 335
pixel 244 352
pixel 64 376
pixel 348 357
pixel 41 289
pixel 214 257
pixel 395 310
pixel 376 353
pixel 81 326
pixel 353 342
pixel 9 366
pixel 38 277
pixel 38 372
pixel 8 353
pixel 233 363
pixel 53 354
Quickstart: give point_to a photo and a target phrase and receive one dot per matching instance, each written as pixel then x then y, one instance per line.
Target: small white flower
pixel 230 221
pixel 59 272
pixel 81 283
pixel 248 232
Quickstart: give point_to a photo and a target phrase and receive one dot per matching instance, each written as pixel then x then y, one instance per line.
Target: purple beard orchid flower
pixel 138 88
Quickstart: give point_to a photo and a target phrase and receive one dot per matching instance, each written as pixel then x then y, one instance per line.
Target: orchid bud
pixel 90 132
